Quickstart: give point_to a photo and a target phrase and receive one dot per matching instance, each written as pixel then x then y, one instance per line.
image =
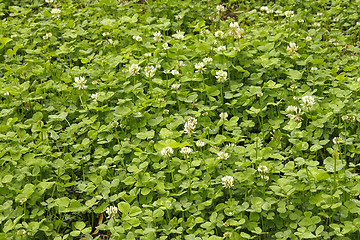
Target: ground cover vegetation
pixel 179 119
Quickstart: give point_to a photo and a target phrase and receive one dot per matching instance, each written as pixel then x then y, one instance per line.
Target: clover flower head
pixel 227 181
pixel 222 156
pixel 165 46
pixel 265 177
pixel 262 169
pixel 175 72
pixel 200 67
pixel 179 35
pixel 317 24
pixel 348 118
pixel 94 97
pixel 278 12
pixel 6 93
pixel 134 69
pixel 175 86
pixel 221 76
pixel 178 17
pixel 167 151
pixel 264 8
pixel 294 113
pixel 337 140
pixel 308 38
pixel 189 126
pixel 357 23
pixel 220 8
pixel 199 143
pixel 105 34
pixel 292 109
pixel 157 36
pixel 227 234
pixel 292 48
pixel 47 36
pixel 221 48
pixel 111 211
pixel 186 151
pixel 55 12
pixel 150 71
pixel 49 1
pixel 223 115
pixel 137 38
pixel 147 55
pixel 219 34
pixel 114 124
pixel 80 83
pixel 21 232
pixel 180 64
pixel 166 111
pixel 289 14
pixel 208 60
pixel 235 30
pixel 307 102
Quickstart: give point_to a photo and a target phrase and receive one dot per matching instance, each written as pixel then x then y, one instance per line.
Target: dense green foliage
pixel 179 119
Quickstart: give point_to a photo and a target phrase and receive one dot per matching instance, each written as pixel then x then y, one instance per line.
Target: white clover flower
pixel 308 38
pixel 137 38
pixel 292 109
pixel 219 34
pixel 348 118
pixel 55 12
pixel 357 23
pixel 289 14
pixel 167 151
pixel 179 35
pixel 235 30
pixel 319 14
pixel 337 140
pixel 265 177
pixel 166 111
pixel 220 8
pixel 105 34
pixel 150 71
pixel 259 94
pixel 264 8
pixel 110 41
pixel 165 46
pixel 13 35
pixel 147 55
pixel 278 12
pixel 227 181
pixel 189 126
pixel 221 48
pixel 314 69
pixel 175 86
pixel 204 32
pixel 186 151
pixel 205 114
pixel 21 232
pixel 157 36
pixel 178 17
pixel 94 97
pixel 114 124
pixel 6 93
pixel 223 115
pixel 49 1
pixel 175 72
pixel 166 71
pixel 317 24
pixel 221 76
pixel 180 64
pixel 134 69
pixel 222 156
pixel 47 36
pixel 262 169
pixel 211 18
pixel 111 211
pixel 80 83
pixel 308 102
pixel 227 234
pixel 292 48
pixel 200 67
pixel 208 60
pixel 199 143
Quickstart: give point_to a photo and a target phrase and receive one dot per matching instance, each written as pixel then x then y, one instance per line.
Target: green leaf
pixel 294 74
pixel 80 225
pixel 146 135
pixel 124 207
